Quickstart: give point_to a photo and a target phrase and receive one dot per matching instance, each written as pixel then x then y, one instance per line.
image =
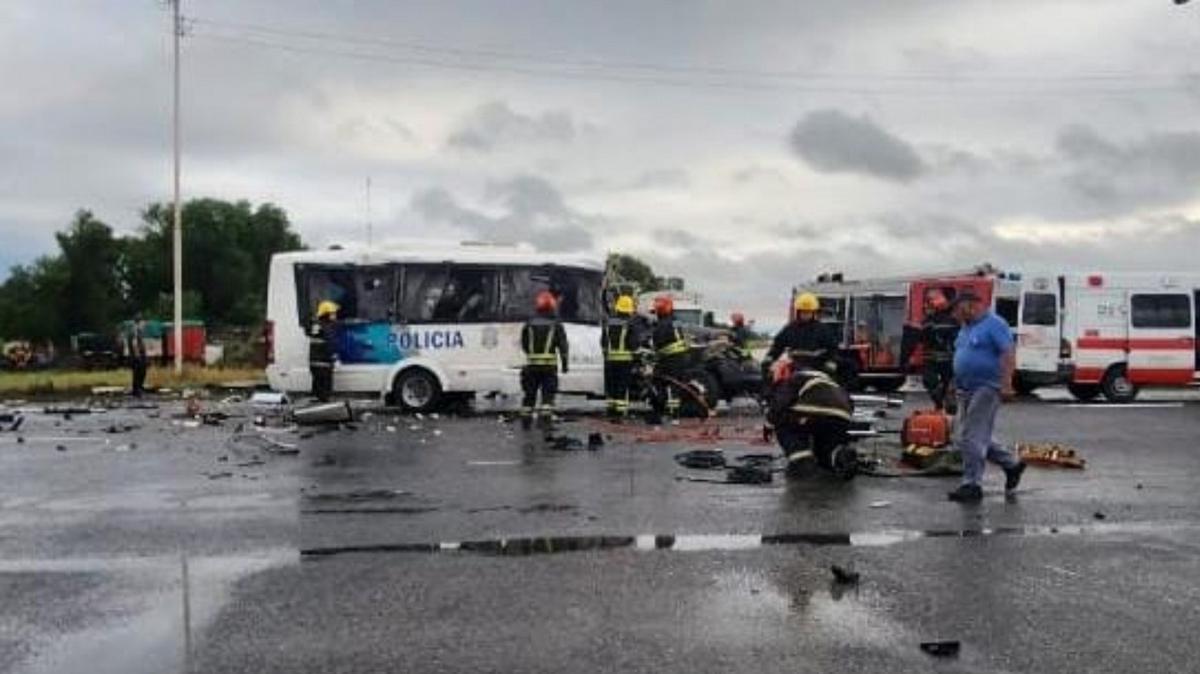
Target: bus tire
pixel 417 390
pixel 1084 392
pixel 1116 385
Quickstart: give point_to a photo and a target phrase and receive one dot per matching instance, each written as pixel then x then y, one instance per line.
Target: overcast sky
pixel 744 145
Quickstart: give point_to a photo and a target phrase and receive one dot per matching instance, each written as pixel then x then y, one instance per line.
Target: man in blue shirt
pixel 984 360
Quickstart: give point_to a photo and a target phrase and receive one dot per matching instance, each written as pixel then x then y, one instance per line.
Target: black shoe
pixel 967 493
pixel 1012 477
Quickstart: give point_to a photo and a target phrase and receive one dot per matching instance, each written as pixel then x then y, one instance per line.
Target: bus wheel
pixel 1084 392
pixel 1116 385
pixel 417 390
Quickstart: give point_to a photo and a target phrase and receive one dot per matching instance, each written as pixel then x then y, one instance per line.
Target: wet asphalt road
pixel 379 550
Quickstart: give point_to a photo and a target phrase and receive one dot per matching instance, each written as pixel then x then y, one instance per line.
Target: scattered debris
pixel 1050 454
pixel 61 448
pixel 705 459
pixel 941 649
pixel 268 398
pixel 66 412
pixel 843 576
pixel 191 423
pixel 595 441
pixel 390 429
pixel 12 419
pixel 107 390
pixel 358 495
pixel 749 473
pixel 113 429
pixel 125 448
pixel 563 443
pixel 218 475
pixel 325 413
pixel 880 504
pixel 254 461
pixel 1099 515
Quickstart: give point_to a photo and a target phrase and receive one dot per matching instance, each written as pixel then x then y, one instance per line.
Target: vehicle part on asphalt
pixel 1050 454
pixel 941 649
pixel 325 413
pixel 844 576
pixel 705 459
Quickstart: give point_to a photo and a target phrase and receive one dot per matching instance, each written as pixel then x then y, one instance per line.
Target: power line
pixel 559 60
pixel 954 88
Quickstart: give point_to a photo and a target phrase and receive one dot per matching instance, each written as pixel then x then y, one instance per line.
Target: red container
pixel 194 339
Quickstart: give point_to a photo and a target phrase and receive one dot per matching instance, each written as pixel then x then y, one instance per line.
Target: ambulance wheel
pixel 417 390
pixel 1117 386
pixel 1084 392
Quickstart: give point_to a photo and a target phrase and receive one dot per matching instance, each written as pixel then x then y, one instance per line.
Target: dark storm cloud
pixel 494 124
pixel 830 141
pixel 1159 168
pixel 532 211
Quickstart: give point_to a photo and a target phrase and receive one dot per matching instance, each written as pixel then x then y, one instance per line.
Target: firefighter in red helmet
pixel 544 342
pixel 672 352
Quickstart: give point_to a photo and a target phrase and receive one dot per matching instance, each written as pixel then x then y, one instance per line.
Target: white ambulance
pixel 1123 331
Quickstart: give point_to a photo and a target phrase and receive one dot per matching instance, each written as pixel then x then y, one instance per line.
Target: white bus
pixel 432 321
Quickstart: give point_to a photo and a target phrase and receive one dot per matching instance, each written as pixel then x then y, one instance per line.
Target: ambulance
pixel 1124 331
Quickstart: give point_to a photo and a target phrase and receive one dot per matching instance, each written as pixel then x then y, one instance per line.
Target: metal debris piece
pixel 844 576
pixel 941 649
pixel 705 459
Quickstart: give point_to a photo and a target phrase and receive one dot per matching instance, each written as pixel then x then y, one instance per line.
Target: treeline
pixel 98 279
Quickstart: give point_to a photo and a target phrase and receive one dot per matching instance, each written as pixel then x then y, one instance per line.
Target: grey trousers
pixel 973 433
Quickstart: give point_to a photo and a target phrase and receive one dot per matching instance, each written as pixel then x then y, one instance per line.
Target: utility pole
pixel 370 226
pixel 177 215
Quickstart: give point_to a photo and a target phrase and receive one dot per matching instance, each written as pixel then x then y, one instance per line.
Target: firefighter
pixel 672 352
pixel 622 336
pixel 806 340
pixel 740 335
pixel 138 359
pixel 322 349
pixel 938 332
pixel 544 342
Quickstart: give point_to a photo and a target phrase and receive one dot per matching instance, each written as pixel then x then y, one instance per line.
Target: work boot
pixel 967 493
pixel 1012 477
pixel 800 464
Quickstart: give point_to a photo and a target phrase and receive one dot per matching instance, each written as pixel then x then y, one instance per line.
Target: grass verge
pixel 54 382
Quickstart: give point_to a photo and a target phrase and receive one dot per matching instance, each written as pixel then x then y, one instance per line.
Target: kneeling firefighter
pixel 544 342
pixel 811 413
pixel 622 336
pixel 672 354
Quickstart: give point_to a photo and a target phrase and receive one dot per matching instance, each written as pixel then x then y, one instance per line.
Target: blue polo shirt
pixel 978 351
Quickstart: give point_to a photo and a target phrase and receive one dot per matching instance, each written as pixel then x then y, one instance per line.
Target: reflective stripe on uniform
pixel 546 356
pixel 620 354
pixel 676 347
pixel 821 411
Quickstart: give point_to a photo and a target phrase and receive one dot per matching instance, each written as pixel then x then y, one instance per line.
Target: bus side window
pixel 319 284
pixel 376 294
pixel 448 294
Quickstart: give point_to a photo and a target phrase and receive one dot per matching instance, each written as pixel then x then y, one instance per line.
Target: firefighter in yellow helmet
pixel 622 336
pixel 806 340
pixel 322 349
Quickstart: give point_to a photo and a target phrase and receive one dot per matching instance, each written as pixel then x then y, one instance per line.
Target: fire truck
pixel 878 321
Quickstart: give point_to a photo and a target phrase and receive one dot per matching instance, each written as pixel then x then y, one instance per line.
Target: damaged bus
pixel 424 324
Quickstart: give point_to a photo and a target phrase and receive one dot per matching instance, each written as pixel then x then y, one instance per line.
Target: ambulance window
pixel 1006 308
pixel 1161 311
pixel 1039 309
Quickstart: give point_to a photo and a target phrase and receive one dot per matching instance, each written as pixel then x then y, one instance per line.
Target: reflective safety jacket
pixel 669 341
pixel 544 342
pixel 810 393
pixel 322 342
pixel 811 342
pixel 621 338
pixel 938 332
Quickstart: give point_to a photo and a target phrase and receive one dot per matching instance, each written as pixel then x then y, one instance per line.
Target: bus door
pixel 1162 337
pixel 1038 327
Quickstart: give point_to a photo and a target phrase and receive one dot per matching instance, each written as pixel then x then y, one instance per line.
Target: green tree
pixel 629 269
pixel 227 248
pixel 94 297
